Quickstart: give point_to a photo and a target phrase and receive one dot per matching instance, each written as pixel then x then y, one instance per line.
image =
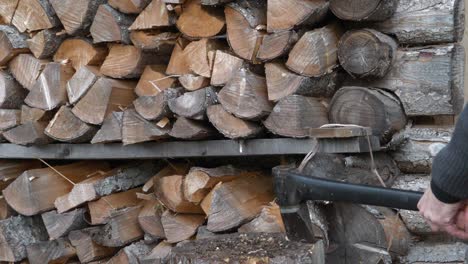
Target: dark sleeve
pixel 450 167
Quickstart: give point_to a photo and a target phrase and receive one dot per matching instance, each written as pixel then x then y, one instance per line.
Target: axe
pixel 293 189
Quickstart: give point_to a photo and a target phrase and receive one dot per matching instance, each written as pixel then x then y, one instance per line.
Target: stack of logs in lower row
pixel 135 71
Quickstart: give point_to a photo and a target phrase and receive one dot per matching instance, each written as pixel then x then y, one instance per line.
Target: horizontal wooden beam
pixel 157 150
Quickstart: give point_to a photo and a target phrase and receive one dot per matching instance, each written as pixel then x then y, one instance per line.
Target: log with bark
pixel 198 22
pixel 155 15
pixel 54 251
pixel 79 84
pixel 86 249
pixel 154 40
pixel 34 15
pixel 367 53
pixel 188 129
pixel 111 129
pixel 154 80
pixel 282 82
pixel 149 218
pixel 132 254
pixel 159 253
pixel 40 187
pixel 17 233
pixel 356 10
pixel 426 22
pixel 136 129
pixel 434 252
pixel 246 96
pixel 50 90
pixel 80 52
pixel 60 225
pixel 231 126
pixel 66 127
pixel 12 43
pixel 76 16
pixel 366 107
pixel 286 15
pixel 193 105
pixel 104 97
pixel 105 183
pixel 101 210
pixel 46 42
pixel 26 69
pixel 294 115
pixel 126 61
pixel 179 227
pixel 109 25
pixel 268 221
pixel 427 80
pixel 12 94
pixel 156 107
pixel 316 52
pixel 237 202
pixel 169 190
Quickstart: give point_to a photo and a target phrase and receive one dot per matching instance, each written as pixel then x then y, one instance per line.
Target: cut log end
pixel 231 126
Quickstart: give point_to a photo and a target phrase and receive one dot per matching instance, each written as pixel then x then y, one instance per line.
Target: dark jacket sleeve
pixel 450 167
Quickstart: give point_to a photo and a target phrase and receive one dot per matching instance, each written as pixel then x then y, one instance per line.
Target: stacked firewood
pixel 90 211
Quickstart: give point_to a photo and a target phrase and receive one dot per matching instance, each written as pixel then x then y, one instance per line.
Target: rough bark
pixel 132 254
pixel 46 42
pixel 12 43
pixel 59 251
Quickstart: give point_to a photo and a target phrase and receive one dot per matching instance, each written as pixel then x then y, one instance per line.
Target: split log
pixel 178 63
pixel 154 80
pixel 199 181
pixel 276 45
pixel 86 249
pixel 131 254
pixel 80 52
pixel 428 80
pixel 198 22
pixel 193 82
pixel 154 40
pixel 419 147
pixel 156 107
pixel 169 190
pixel 121 229
pixel 129 6
pixel 193 105
pixel 200 54
pixel 159 253
pixel 12 94
pixel 12 43
pixel 27 134
pixel 104 97
pixel 177 168
pixel 282 82
pixel 237 202
pixel 188 129
pixel 246 96
pixel 316 52
pixel 101 210
pixel 76 16
pixel 248 248
pixel 126 61
pixel 7 10
pixel 66 127
pixel 436 253
pixel 109 25
pixel 427 22
pixel 206 203
pixel 285 15
pixel 49 184
pixel 269 221
pixel 46 42
pixel 9 118
pixel 50 90
pixel 26 69
pixel 117 180
pixel 366 53
pixel 136 129
pixel 17 233
pixel 149 219
pixel 356 10
pixel 155 15
pixel 83 79
pixel 111 129
pixel 294 115
pixel 34 15
pixel 376 109
pixel 11 169
pixel 225 66
pixel 54 251
pixel 60 225
pixel 180 227
pixel 30 114
pixel 231 126
pixel 415 223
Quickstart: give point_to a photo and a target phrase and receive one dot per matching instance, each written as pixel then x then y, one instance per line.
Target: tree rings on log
pixel 188 129
pixel 26 69
pixel 231 126
pixel 285 15
pixel 66 127
pixel 377 109
pixel 76 16
pixel 225 66
pixel 198 22
pixel 34 15
pixel 156 107
pixel 294 115
pixel 363 10
pixel 367 53
pixel 12 43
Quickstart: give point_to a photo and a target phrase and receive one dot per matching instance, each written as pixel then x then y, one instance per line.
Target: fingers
pixel 456 232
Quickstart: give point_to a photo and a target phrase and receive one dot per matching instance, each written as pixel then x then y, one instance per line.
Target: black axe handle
pixel 293 189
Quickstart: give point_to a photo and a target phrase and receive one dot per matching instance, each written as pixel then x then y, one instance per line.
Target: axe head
pixel 305 223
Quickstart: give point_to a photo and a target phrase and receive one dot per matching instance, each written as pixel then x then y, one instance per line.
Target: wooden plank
pixel 212 148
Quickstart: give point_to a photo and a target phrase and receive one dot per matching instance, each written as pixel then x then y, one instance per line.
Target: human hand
pixel 450 218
